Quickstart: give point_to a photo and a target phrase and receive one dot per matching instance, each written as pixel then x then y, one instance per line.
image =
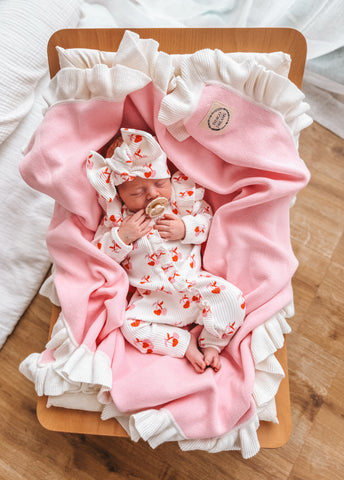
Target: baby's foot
pixel 194 356
pixel 212 358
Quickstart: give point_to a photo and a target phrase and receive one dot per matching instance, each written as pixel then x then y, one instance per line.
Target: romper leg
pixel 157 338
pixel 223 311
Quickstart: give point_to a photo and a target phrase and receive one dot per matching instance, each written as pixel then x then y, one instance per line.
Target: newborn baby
pixel 154 226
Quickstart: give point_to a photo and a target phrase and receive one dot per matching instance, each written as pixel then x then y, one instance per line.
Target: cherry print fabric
pixel 171 287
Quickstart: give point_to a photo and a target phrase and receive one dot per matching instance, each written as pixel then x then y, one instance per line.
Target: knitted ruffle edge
pixel 249 79
pixel 73 368
pixel 84 58
pixel 90 74
pixel 136 63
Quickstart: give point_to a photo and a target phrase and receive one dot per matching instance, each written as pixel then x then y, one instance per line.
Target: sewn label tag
pixel 218 118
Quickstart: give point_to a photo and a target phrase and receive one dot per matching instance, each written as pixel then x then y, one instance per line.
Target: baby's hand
pixel 134 227
pixel 170 227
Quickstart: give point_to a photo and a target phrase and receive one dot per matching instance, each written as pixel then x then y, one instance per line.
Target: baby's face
pixel 137 194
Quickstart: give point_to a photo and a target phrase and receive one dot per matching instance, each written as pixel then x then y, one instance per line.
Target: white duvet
pixel 26 26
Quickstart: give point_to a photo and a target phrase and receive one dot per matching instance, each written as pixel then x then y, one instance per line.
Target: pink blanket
pixel 234 130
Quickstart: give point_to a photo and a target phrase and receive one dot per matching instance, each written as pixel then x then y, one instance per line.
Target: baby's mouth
pixel 156 207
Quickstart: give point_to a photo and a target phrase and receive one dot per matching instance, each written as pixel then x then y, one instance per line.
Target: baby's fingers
pixel 139 215
pixel 145 228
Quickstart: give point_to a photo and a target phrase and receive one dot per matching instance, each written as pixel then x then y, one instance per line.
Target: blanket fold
pixel 230 124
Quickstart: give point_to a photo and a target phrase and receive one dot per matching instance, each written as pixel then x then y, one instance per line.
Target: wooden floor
pixel 316 359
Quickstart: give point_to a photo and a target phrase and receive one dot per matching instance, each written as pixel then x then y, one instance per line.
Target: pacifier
pixel 156 207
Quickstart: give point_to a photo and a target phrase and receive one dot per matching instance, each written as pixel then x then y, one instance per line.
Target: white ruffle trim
pixel 266 340
pixel 84 58
pixel 136 63
pixel 48 288
pixel 158 426
pixel 87 74
pixel 248 78
pixel 143 55
pixel 75 369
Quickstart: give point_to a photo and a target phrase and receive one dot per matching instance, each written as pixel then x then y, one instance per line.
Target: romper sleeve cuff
pixel 121 249
pixel 196 230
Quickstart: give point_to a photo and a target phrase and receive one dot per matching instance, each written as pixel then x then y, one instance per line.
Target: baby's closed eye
pixel 137 193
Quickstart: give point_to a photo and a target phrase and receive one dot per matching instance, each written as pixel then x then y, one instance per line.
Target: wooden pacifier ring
pixel 156 207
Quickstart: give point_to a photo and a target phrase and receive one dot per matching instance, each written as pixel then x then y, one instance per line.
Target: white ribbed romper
pixel 172 290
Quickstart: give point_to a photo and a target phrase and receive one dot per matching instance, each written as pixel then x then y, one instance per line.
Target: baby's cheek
pixel 167 191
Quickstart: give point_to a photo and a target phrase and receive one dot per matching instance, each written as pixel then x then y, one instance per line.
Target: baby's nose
pixel 152 192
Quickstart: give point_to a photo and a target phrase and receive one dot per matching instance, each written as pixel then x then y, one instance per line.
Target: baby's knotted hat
pixel 140 155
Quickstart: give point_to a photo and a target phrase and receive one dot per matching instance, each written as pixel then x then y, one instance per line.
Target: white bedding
pixel 25 28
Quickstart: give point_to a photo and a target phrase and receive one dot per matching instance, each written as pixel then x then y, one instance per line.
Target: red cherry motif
pixel 172 339
pixel 192 262
pixel 135 323
pixel 148 174
pixel 138 138
pixel 174 208
pixel 243 305
pixel 160 310
pixel 187 304
pixel 99 245
pixel 138 153
pixel 115 220
pixel 174 254
pixel 216 290
pixel 146 344
pixel 107 174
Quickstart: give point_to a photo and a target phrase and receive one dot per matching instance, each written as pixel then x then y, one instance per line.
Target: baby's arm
pixel 116 242
pixel 108 241
pixel 189 228
pixel 134 227
pixel 197 223
pixel 192 209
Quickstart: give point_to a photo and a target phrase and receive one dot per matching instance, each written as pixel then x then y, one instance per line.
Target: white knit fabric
pixel 252 80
